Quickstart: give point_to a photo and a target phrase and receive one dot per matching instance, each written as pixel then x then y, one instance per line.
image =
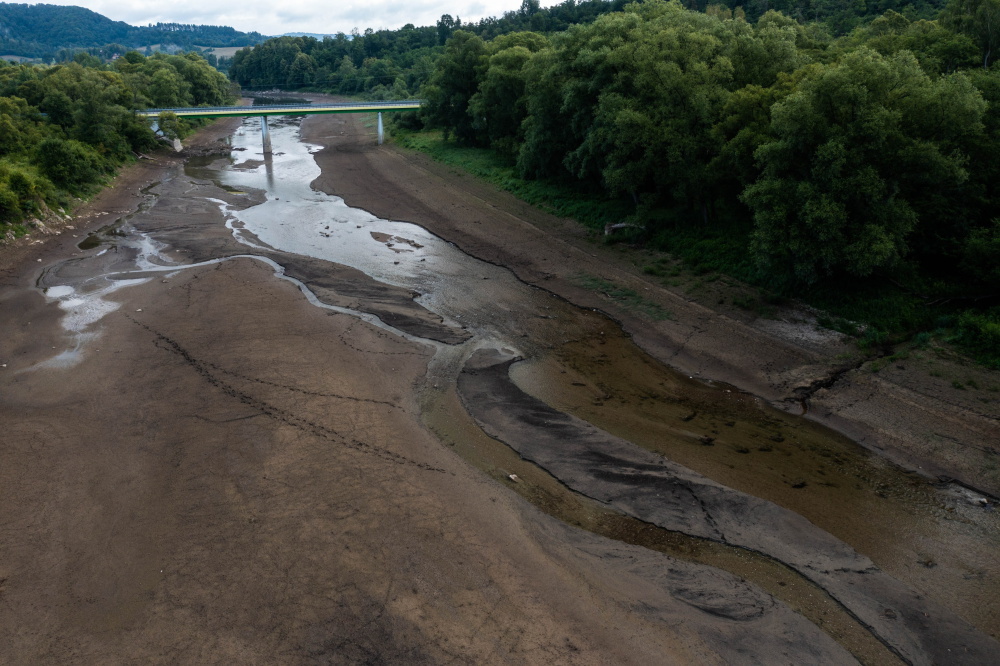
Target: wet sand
pixel 230 473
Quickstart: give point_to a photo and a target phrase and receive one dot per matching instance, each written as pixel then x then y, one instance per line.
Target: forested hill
pixel 41 30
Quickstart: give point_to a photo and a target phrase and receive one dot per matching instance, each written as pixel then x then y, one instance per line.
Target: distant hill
pixel 41 30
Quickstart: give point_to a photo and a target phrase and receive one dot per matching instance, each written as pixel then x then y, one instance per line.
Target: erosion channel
pixel 767 536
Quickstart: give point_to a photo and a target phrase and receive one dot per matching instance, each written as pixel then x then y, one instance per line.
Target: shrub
pixel 68 163
pixel 979 335
pixel 10 209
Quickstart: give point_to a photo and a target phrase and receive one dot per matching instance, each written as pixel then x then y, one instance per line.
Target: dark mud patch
pixel 651 488
pixel 343 286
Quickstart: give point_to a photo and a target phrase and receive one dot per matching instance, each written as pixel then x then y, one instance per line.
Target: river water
pixel 941 539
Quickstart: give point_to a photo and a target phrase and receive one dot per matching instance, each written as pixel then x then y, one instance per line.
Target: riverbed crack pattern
pixel 282 415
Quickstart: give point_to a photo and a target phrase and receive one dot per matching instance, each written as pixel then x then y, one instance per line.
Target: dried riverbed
pixel 378 329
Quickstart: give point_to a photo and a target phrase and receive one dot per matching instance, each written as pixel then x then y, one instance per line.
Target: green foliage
pixel 396 63
pixel 938 49
pixel 88 127
pixel 980 20
pixel 981 259
pixel 69 163
pixel 451 88
pixel 979 335
pixel 858 173
pixel 499 107
pixel 855 152
pixel 169 124
pixel 10 207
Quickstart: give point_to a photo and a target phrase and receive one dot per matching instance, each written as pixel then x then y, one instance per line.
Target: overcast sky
pixel 275 17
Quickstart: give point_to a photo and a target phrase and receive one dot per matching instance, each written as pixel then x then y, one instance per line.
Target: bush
pixel 10 209
pixel 68 163
pixel 981 258
pixel 979 335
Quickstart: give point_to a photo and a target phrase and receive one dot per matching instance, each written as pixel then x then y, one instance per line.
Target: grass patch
pixel 978 334
pixel 629 298
pixel 15 230
pixel 714 248
pixel 565 200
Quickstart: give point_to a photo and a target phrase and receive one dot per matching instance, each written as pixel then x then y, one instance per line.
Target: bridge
pixel 285 110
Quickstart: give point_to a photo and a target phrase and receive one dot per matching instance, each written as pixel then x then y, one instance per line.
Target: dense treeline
pixel 847 157
pixel 837 161
pixel 391 63
pixel 395 63
pixel 39 31
pixel 838 17
pixel 65 128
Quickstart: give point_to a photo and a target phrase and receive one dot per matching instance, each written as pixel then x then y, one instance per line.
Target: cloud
pixel 270 18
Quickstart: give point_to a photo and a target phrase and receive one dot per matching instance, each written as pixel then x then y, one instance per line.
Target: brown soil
pixel 231 474
pixel 928 410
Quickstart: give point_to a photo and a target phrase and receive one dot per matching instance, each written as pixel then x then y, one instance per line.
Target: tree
pixel 499 107
pixel 446 26
pixel 70 164
pixel 169 124
pixel 980 19
pixel 857 156
pixel 168 89
pixel 302 70
pixel 454 83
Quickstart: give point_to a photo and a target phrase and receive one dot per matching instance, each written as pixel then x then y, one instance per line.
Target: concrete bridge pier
pixel 265 135
pixel 381 132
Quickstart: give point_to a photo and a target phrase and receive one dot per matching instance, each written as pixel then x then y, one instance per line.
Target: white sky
pixel 275 17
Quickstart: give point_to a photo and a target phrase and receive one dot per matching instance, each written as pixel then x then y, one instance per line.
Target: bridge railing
pixel 282 107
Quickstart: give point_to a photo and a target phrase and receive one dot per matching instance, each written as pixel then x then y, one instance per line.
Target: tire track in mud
pixel 295 389
pixel 205 369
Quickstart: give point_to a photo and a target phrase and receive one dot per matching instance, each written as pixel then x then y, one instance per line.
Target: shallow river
pixel 938 538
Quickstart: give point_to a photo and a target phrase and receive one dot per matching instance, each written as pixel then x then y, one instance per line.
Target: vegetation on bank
pixel 841 154
pixel 64 129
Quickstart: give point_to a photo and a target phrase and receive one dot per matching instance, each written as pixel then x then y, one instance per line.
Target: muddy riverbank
pixel 926 409
pixel 233 432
